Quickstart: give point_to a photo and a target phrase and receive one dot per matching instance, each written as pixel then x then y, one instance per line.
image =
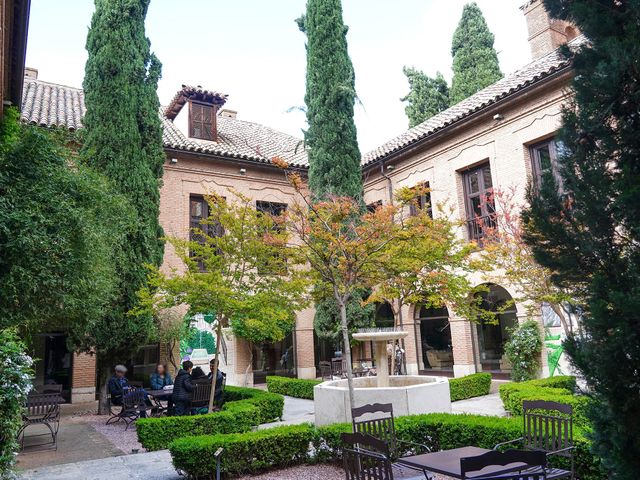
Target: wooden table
pixel 447 462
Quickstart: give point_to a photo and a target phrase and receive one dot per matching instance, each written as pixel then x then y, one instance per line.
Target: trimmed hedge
pixel 293 387
pixel 556 389
pixel 474 385
pixel 281 447
pixel 250 452
pixel 244 408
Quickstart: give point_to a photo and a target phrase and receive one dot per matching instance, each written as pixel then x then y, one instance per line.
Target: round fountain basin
pixel 409 395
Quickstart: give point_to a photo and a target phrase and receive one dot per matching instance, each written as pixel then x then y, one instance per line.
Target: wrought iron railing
pixel 477 227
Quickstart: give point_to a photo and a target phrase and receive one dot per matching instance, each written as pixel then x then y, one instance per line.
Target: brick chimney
pixel 546 34
pixel 31 73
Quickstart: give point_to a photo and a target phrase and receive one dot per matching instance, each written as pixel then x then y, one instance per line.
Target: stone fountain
pixel 409 394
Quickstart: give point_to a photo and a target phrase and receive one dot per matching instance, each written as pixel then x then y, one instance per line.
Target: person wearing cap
pixel 118 385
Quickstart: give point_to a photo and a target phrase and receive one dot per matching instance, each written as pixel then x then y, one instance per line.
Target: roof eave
pixel 419 143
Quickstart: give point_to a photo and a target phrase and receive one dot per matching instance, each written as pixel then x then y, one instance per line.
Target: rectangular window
pixel 199 211
pixel 422 200
pixel 479 203
pixel 544 159
pixel 372 207
pixel 273 209
pixel 202 121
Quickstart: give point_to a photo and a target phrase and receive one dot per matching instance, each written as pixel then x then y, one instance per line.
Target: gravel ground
pixel 115 432
pixel 328 472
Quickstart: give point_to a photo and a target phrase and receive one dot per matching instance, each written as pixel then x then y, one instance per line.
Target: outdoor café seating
pixel 510 465
pixel 365 457
pixel 42 409
pixel 548 427
pixel 374 451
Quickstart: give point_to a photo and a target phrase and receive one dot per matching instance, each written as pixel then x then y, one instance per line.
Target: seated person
pixel 119 388
pixel 160 378
pixel 198 374
pixel 220 376
pixel 183 389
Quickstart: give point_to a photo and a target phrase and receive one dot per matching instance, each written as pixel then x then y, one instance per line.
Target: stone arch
pixel 570 32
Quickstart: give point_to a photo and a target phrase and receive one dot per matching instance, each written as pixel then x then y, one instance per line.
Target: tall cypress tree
pixel 586 229
pixel 475 61
pixel 123 140
pixel 427 96
pixel 334 156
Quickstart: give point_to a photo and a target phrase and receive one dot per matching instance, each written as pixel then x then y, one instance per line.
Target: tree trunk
pixel 214 373
pixel 347 347
pixel 245 383
pixel 103 404
pixel 170 347
pixel 401 325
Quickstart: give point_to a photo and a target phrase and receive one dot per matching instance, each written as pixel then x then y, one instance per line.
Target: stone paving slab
pixel 77 441
pixel 142 466
pixel 485 405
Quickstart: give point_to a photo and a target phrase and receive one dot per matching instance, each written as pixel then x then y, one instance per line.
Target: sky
pixel 253 51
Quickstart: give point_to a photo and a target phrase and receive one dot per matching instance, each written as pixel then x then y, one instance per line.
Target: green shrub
pixel 293 387
pixel 554 389
pixel 280 447
pixel 474 385
pixel 243 409
pixel 270 404
pixel 250 452
pixel 15 379
pixel 523 350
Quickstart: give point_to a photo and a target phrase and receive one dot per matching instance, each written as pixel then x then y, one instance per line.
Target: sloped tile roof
pixel 509 85
pixel 52 105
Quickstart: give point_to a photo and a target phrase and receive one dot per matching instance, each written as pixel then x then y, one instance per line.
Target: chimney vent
pixel 546 34
pixel 31 73
pixel 225 112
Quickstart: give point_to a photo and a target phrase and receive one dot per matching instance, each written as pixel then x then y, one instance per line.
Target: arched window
pixel 434 343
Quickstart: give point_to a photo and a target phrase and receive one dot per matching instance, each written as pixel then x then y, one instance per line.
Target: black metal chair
pixel 525 465
pixel 42 409
pixel 325 370
pixel 380 423
pixel 365 457
pixel 548 427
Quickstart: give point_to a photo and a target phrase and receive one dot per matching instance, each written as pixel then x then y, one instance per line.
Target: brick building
pixel 500 137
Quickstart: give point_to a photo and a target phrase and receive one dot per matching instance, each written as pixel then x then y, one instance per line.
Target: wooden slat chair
pixel 365 457
pixel 201 395
pixel 339 367
pixel 548 427
pixel 42 409
pixel 529 465
pixel 380 423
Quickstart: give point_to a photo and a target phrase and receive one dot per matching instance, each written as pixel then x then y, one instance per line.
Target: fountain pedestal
pixel 380 340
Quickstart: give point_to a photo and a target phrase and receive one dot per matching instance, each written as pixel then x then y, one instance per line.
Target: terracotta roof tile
pixel 51 105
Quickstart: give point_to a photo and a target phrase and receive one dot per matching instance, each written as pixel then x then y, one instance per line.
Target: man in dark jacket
pixel 118 385
pixel 183 389
pixel 220 376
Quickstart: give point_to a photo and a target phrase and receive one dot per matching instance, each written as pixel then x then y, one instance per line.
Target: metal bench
pixel 42 409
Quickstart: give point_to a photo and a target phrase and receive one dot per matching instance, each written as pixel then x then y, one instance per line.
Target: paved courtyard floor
pixel 87 449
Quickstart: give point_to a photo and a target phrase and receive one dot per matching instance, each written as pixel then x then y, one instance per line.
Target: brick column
pixel 410 351
pixel 461 339
pixel 305 354
pixel 83 378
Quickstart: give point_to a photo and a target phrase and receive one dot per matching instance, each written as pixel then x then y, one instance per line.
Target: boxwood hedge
pixel 292 387
pixel 253 452
pixel 244 408
pixel 474 385
pixel 557 389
